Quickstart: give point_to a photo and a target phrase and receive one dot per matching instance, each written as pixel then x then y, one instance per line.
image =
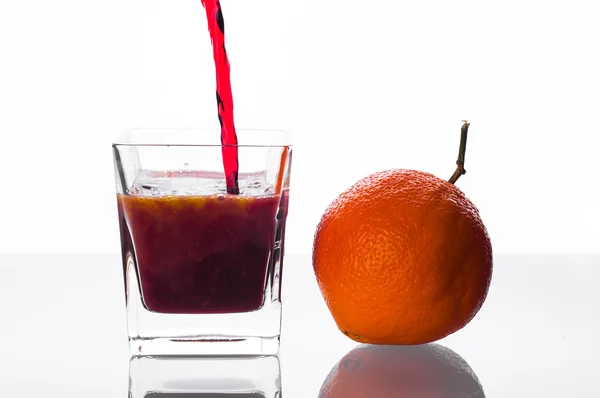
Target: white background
pixel 363 85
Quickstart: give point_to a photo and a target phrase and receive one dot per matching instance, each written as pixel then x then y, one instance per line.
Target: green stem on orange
pixel 460 162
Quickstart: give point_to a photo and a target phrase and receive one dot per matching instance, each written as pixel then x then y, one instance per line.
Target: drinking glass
pixel 206 377
pixel 202 267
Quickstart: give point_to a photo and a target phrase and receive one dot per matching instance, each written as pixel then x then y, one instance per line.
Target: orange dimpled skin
pixel 402 257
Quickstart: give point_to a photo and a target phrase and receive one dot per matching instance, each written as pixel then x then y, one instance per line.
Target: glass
pixel 202 267
pixel 209 377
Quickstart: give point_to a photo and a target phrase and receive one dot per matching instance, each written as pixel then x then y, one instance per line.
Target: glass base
pixel 205 346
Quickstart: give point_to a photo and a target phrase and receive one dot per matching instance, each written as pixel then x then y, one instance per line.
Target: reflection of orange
pixel 423 371
pixel 402 257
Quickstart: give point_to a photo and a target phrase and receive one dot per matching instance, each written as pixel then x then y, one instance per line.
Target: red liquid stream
pixel 216 27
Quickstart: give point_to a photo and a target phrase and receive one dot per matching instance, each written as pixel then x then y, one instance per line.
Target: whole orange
pixel 424 371
pixel 402 257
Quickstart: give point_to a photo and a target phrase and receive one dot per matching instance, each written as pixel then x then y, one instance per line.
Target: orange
pixel 402 257
pixel 424 371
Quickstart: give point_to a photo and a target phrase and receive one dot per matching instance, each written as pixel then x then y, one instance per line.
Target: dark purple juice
pixel 202 254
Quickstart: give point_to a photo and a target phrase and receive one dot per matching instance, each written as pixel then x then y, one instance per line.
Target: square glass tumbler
pixel 202 266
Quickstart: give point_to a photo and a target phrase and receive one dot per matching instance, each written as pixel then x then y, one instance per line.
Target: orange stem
pixel 460 162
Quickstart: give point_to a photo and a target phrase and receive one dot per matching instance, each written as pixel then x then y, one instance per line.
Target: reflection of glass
pixel 429 370
pixel 202 267
pixel 208 377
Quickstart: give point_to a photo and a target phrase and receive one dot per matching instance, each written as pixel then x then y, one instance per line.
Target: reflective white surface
pixel 63 332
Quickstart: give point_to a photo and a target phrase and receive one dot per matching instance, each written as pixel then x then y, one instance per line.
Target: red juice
pixel 202 254
pixel 205 253
pixel 216 28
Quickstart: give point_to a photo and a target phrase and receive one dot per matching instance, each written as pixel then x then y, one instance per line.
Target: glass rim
pixel 200 137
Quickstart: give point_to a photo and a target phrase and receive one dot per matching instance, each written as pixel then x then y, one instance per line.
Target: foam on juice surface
pixel 196 183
